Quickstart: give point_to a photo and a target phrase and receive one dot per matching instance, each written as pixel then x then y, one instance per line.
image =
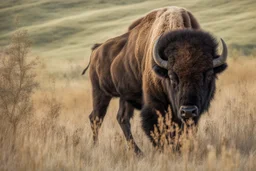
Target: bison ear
pixel 220 69
pixel 161 72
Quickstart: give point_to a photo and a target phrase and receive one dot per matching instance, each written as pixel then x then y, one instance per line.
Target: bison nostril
pixel 183 113
pixel 194 112
pixel 188 111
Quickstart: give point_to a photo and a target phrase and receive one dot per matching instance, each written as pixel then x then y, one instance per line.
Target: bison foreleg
pixel 149 120
pixel 124 115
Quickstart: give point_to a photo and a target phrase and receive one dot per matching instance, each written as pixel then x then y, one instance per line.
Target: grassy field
pixel 57 136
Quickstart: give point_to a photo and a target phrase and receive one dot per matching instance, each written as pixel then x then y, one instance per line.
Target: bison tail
pixel 95 46
pixel 86 67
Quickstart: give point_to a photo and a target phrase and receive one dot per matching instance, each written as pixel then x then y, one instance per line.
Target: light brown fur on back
pixel 129 56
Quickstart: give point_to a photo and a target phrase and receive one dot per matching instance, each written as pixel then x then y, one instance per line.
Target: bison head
pixel 188 62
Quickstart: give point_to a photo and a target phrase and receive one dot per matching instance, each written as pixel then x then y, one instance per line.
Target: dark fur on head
pixel 190 75
pixel 195 38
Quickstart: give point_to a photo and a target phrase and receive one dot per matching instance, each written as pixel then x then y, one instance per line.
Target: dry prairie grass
pixel 58 136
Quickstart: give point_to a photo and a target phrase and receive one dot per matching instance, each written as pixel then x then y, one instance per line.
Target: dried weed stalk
pixel 17 80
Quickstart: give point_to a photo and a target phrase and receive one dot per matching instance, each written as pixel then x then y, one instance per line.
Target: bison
pixel 164 60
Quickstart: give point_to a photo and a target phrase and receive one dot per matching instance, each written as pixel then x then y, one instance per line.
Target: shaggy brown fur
pixel 123 67
pixel 134 24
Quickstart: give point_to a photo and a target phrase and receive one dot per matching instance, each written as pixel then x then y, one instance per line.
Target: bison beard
pixel 164 60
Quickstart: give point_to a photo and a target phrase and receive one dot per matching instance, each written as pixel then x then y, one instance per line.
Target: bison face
pixel 188 62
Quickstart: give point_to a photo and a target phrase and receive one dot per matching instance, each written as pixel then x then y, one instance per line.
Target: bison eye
pixel 174 84
pixel 208 76
pixel 174 79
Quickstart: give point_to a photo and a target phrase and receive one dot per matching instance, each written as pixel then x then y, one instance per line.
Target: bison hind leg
pixel 100 105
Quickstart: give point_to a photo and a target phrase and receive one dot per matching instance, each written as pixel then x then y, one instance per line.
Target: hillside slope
pixel 67 29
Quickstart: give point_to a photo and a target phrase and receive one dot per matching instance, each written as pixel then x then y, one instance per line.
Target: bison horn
pixel 158 60
pixel 223 57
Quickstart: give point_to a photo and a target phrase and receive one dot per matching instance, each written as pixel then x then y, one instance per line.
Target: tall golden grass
pixel 58 136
